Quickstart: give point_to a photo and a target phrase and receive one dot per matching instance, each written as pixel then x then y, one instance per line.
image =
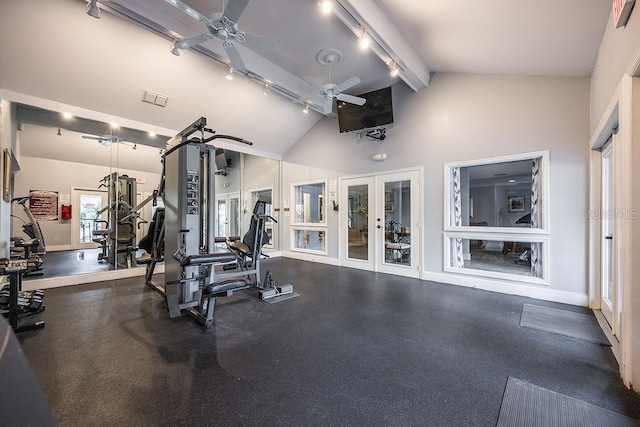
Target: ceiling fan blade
pixel 348 83
pixel 234 9
pixel 351 99
pixel 234 57
pixel 190 11
pixel 193 41
pixel 94 138
pixel 314 83
pixel 261 43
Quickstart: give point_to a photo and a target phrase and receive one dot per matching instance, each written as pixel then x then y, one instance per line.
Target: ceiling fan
pixel 106 140
pixel 225 28
pixel 329 91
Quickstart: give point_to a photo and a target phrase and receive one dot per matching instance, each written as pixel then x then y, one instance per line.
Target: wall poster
pixel 44 205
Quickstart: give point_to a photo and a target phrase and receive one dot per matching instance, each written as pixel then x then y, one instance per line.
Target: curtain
pixel 536 215
pixel 457 218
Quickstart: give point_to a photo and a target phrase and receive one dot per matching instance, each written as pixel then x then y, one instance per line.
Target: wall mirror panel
pixel 89 182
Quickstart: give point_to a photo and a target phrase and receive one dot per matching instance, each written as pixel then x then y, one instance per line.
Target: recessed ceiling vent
pixel 155 98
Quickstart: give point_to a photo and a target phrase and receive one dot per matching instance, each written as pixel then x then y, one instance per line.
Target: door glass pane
pixel 234 215
pixel 397 222
pixel 221 220
pixel 358 222
pixel 607 228
pixel 90 205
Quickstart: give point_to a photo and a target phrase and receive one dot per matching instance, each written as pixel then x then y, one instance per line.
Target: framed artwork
pixel 388 206
pixel 515 203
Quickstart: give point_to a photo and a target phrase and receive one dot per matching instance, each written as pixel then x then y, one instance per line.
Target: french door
pixel 609 292
pixel 380 223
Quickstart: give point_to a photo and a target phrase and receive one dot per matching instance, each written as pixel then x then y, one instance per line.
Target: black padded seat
pixel 229 285
pixel 208 258
pixel 240 247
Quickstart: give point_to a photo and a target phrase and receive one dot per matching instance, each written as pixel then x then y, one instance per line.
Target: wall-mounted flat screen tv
pixel 376 112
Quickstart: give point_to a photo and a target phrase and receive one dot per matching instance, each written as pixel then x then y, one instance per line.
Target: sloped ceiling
pixel 59 53
pixel 54 51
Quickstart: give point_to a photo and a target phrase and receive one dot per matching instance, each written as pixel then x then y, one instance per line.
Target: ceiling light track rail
pixel 387 43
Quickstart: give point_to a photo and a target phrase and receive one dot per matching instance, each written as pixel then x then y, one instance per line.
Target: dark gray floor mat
pixel 525 404
pixel 563 322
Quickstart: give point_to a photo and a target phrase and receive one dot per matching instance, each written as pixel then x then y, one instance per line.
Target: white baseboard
pixel 503 287
pixel 311 257
pixel 81 279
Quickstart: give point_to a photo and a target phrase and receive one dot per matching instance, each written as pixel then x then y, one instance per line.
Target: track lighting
pixel 365 41
pixel 152 134
pixel 67 115
pixel 20 126
pixel 174 49
pixel 266 88
pixel 59 133
pixel 230 73
pixel 306 108
pixel 394 69
pixel 114 125
pixel 326 6
pixel 92 9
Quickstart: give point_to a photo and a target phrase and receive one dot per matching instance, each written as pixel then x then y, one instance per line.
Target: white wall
pixel 465 117
pixel 618 48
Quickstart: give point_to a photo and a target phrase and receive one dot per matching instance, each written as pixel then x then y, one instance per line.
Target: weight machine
pixel 197 272
pixel 33 248
pixel 117 234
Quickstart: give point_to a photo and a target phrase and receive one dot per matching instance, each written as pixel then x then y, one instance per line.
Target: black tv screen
pixel 377 111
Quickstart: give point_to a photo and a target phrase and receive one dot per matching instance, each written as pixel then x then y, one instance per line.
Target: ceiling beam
pixel 388 43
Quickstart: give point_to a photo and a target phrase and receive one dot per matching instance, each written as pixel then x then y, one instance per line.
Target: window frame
pixel 322 214
pixel 544 194
pixel 544 256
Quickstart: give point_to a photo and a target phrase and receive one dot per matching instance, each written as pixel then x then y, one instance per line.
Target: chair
pixel 397 242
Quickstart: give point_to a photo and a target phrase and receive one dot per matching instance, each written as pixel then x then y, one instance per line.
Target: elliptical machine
pixel 30 249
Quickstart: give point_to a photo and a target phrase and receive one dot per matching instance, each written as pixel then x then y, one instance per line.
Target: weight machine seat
pixel 240 247
pixel 224 287
pixel 214 258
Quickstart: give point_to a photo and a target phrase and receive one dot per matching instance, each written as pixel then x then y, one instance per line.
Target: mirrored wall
pixel 89 193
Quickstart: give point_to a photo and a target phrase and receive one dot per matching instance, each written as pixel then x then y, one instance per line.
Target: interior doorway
pixel 87 206
pixel 380 223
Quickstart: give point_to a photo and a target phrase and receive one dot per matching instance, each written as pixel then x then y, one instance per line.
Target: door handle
pixel 608 237
pixel 379 226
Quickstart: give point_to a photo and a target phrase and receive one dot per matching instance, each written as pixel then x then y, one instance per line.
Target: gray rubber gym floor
pixel 356 348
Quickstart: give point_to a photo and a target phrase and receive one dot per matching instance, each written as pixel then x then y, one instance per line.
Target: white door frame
pixel 617 116
pixel 75 216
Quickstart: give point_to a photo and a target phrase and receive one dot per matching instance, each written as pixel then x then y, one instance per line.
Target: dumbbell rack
pixel 16 269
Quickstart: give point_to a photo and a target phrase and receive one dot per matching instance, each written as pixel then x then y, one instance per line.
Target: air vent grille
pixel 155 98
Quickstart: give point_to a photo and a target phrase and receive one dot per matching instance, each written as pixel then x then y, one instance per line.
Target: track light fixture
pixel 67 115
pixel 365 41
pixel 395 70
pixel 326 6
pixel 306 108
pixel 92 9
pixel 266 89
pixel 59 133
pixel 230 73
